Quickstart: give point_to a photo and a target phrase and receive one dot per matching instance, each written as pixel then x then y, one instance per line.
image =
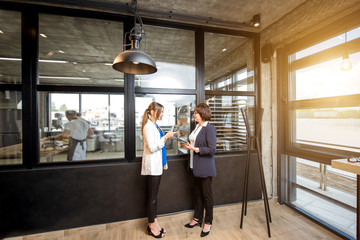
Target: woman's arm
pixel 152 137
pixel 210 136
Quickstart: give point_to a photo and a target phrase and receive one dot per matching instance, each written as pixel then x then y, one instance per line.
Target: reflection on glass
pixel 10 47
pixel 222 71
pixel 327 80
pixel 227 118
pixel 337 128
pixel 10 128
pixel 173 50
pixel 328 194
pixel 177 111
pixel 79 51
pixel 103 112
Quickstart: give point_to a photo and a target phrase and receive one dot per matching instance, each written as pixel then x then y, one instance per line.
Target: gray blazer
pixel 204 162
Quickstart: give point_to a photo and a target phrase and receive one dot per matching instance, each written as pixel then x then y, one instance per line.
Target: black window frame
pixel 30 87
pixel 286 106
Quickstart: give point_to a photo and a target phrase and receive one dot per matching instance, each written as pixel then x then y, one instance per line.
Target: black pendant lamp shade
pixel 134 61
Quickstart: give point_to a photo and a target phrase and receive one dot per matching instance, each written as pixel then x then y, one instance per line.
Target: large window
pixel 324 107
pixel 322 122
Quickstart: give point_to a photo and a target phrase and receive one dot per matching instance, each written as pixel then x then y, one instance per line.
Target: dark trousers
pixel 153 183
pixel 203 199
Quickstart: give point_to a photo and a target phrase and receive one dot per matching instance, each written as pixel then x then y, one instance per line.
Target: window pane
pixel 10 128
pixel 326 193
pixel 321 46
pixel 173 50
pixel 106 116
pixel 337 128
pixel 332 42
pixel 224 56
pixel 326 80
pixel 10 47
pixel 227 118
pixel 79 51
pixel 244 80
pixel 177 111
pixel 103 112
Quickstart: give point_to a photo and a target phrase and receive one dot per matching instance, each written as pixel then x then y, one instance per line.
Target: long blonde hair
pixel 156 107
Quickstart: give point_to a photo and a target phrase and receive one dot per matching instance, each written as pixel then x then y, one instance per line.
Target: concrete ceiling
pixel 89 44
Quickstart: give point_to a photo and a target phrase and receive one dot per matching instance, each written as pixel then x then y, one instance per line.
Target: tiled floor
pixel 286 224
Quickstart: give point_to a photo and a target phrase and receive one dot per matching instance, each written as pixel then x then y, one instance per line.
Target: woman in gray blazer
pixel 202 148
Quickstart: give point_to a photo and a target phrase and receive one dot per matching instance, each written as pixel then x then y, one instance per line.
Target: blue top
pixel 164 148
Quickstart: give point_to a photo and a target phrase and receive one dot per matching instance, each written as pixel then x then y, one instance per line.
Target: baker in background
pixel 78 129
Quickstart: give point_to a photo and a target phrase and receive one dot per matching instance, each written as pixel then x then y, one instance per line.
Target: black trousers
pixel 153 183
pixel 203 199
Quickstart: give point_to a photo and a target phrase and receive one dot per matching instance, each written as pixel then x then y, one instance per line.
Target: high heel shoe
pixel 155 236
pixel 198 222
pixel 204 234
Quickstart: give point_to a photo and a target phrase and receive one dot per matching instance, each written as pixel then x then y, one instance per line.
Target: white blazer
pixel 152 153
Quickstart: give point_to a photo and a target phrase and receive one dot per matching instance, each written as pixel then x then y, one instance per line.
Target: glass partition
pixel 229 63
pixel 178 111
pixel 173 50
pixel 79 51
pixel 103 113
pixel 10 127
pixel 227 118
pixel 10 47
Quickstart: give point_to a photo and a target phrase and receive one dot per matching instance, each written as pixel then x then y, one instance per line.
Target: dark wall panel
pixel 41 200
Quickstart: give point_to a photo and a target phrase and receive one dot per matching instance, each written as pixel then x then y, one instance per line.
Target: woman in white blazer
pixel 153 162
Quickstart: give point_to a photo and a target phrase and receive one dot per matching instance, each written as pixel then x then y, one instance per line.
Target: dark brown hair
pixel 156 107
pixel 204 111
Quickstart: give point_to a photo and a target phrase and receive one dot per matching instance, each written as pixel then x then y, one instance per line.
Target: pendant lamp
pixel 135 61
pixel 346 64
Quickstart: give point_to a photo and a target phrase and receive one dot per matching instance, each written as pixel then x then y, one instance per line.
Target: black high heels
pixel 204 234
pixel 156 236
pixel 198 222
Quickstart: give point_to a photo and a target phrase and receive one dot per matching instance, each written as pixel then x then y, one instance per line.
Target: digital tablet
pixel 174 128
pixel 182 140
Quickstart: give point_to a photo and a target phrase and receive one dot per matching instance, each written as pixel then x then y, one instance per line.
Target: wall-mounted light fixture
pixel 346 64
pixel 256 20
pixel 135 61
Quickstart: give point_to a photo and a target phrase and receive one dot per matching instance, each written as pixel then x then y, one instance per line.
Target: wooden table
pixel 345 165
pixel 15 151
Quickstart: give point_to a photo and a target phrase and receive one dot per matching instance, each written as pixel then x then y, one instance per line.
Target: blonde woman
pixel 153 162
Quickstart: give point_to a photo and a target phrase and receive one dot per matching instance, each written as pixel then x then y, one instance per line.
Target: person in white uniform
pixel 78 129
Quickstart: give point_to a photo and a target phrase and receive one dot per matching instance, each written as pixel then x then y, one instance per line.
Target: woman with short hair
pixel 202 148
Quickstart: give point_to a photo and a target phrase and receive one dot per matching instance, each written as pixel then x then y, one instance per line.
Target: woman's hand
pixel 188 146
pixel 169 135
